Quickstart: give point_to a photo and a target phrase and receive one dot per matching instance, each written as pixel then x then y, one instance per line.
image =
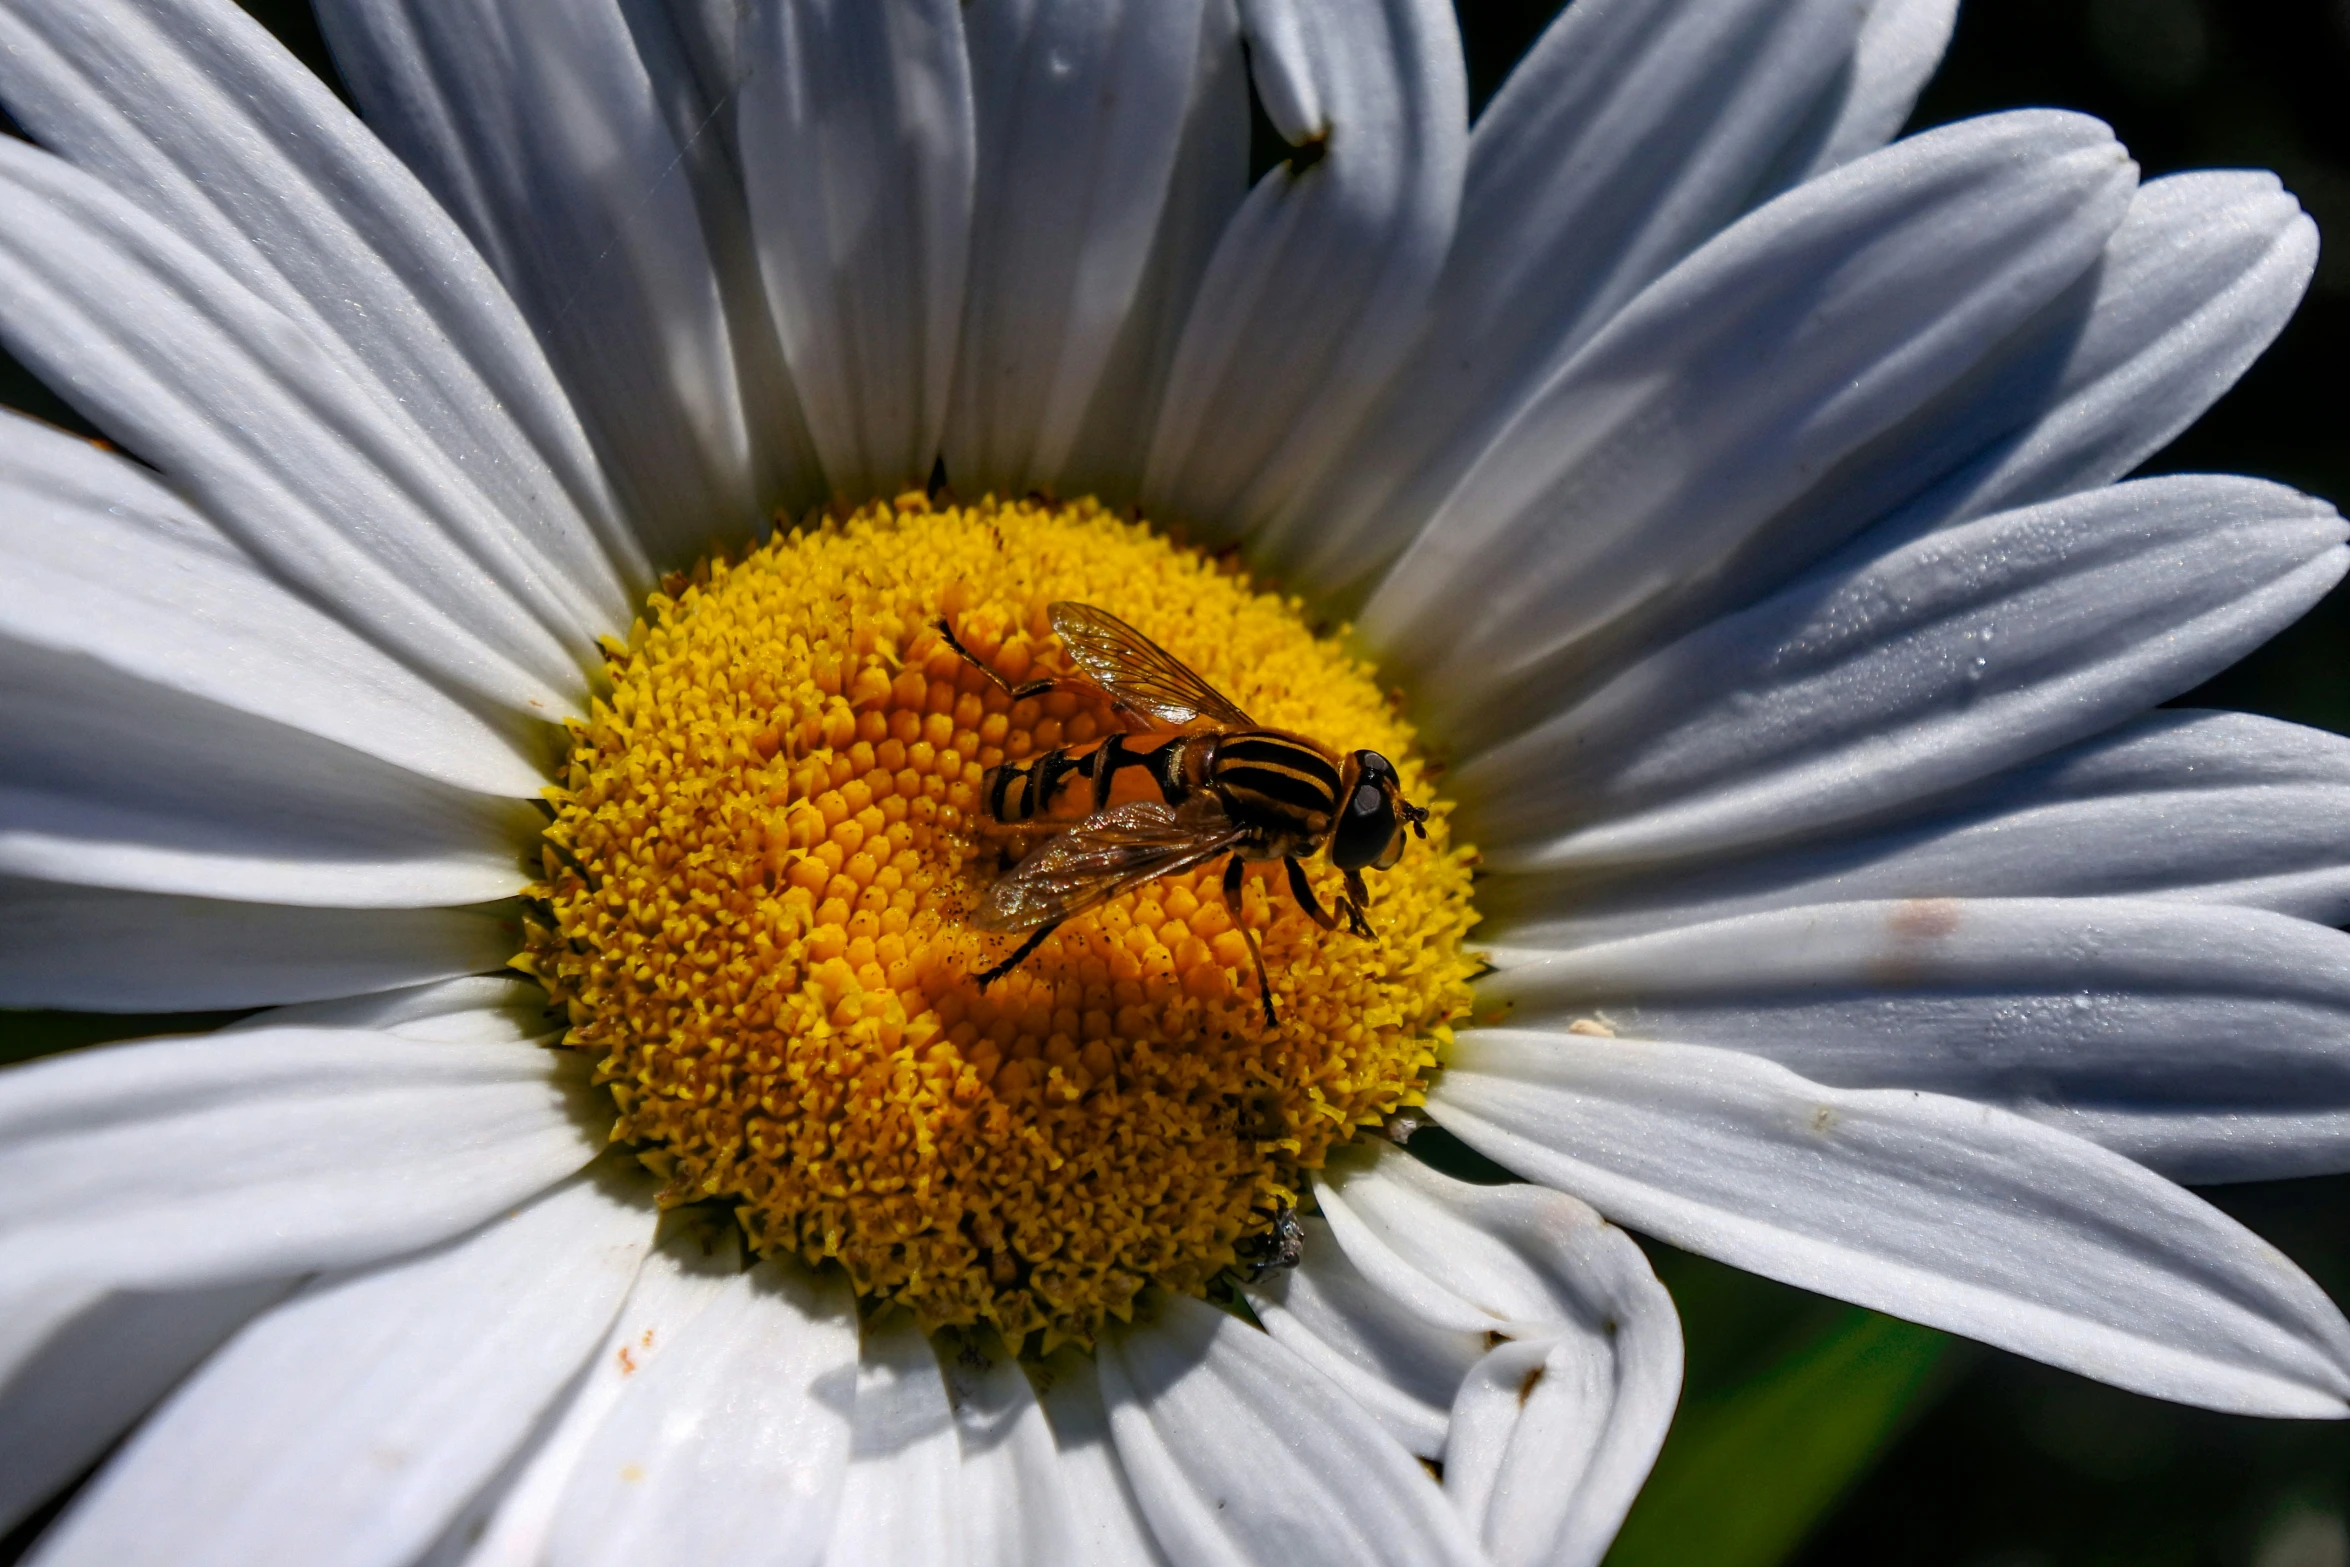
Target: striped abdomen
pixel 1078 780
pixel 1281 784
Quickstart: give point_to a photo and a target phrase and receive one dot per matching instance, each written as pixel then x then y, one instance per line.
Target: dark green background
pixel 1815 1434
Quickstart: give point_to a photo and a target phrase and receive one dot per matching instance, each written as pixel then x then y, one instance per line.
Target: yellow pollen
pixel 754 914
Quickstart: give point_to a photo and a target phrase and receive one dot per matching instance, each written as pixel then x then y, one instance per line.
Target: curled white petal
pixel 1239 1452
pixel 1957 1215
pixel 1403 1368
pixel 1553 1429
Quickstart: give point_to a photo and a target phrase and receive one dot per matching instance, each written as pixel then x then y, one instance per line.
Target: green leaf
pixel 1747 1472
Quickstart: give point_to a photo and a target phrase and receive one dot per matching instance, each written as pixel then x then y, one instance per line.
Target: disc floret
pixel 753 916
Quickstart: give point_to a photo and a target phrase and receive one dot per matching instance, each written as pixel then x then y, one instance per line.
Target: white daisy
pixel 1731 498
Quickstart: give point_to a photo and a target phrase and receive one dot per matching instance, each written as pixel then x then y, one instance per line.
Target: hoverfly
pixel 1194 778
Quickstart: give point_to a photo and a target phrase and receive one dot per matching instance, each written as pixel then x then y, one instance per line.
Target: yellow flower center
pixel 755 911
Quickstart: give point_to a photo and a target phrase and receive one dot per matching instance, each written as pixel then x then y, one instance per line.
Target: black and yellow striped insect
pixel 1193 779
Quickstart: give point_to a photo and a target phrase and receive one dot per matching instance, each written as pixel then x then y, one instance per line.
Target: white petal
pixel 55 834
pixel 543 129
pixel 1552 1434
pixel 1317 286
pixel 1105 1523
pixel 1016 1508
pixel 2210 1043
pixel 349 1424
pixel 1240 1452
pixel 223 803
pixel 1484 1259
pixel 1553 1437
pixel 2201 274
pixel 696 57
pixel 191 109
pixel 1401 1367
pixel 1866 687
pixel 218 681
pixel 184 1163
pixel 1900 45
pixel 2221 808
pixel 97 1374
pixel 1206 186
pixel 510 1525
pixel 733 1447
pixel 478 1009
pixel 114 592
pixel 1956 1215
pixel 1683 436
pixel 311 472
pixel 1632 132
pixel 856 123
pixel 2199 278
pixel 900 1501
pixel 101 951
pixel 1080 116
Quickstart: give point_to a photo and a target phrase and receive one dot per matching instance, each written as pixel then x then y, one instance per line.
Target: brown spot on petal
pixel 1913 925
pixel 1925 919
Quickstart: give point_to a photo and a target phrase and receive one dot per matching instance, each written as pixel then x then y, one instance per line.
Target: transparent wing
pixel 1101 857
pixel 1137 672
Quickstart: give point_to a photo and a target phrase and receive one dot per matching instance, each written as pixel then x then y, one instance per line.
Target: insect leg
pixel 1303 891
pixel 1015 692
pixel 1358 898
pixel 1019 954
pixel 1232 875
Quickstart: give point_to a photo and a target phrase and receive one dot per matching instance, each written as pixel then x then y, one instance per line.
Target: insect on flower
pixel 1194 778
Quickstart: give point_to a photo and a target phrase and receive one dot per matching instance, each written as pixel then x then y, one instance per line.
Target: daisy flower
pixel 517 640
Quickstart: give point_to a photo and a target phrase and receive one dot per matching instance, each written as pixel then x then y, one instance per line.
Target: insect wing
pixel 1101 857
pixel 1137 672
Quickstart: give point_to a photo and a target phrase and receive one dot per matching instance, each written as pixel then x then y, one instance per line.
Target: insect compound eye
pixel 1368 824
